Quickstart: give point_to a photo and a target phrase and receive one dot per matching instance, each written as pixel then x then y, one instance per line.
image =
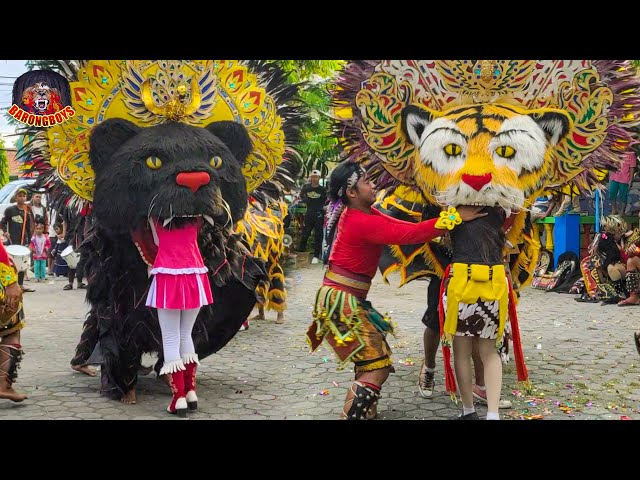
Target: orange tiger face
pixel 486 154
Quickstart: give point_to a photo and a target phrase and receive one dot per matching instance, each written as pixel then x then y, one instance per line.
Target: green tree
pixel 4 165
pixel 303 70
pixel 318 146
pixel 68 68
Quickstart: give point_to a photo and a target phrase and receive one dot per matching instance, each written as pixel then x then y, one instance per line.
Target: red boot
pixel 190 385
pixel 179 402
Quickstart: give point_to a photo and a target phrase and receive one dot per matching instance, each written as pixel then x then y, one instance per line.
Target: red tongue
pixel 508 222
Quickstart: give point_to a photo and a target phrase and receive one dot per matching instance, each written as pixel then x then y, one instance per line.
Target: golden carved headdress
pixel 601 96
pixel 146 93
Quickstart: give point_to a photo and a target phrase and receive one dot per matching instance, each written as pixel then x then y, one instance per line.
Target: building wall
pixel 14 166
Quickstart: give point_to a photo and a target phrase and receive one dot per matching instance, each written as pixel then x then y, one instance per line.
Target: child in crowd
pixel 60 267
pixel 40 246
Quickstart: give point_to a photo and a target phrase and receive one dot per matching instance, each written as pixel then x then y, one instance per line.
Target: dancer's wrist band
pixel 448 219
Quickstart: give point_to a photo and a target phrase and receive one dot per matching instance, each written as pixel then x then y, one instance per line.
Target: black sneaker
pixel 611 301
pixel 584 298
pixel 468 416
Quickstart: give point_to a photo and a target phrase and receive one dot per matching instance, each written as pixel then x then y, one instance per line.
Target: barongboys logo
pixel 41 98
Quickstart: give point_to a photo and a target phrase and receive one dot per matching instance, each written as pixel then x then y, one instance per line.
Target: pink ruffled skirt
pixel 182 291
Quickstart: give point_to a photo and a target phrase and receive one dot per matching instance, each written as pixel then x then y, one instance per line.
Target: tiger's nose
pixel 193 180
pixel 476 181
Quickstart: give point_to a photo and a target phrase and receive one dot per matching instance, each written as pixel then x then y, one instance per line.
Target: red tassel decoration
pixel 521 368
pixel 449 377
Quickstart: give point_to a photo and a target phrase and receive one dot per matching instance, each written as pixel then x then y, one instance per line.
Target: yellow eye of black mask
pixel 453 150
pixel 505 151
pixel 154 163
pixel 216 162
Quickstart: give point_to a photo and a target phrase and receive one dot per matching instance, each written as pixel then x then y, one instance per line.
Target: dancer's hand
pixel 468 212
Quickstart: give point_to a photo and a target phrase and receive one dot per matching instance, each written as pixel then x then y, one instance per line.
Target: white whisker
pixel 227 209
pixel 151 205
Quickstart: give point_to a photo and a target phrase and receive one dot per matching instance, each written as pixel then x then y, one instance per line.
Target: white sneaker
pixel 314 260
pixel 426 382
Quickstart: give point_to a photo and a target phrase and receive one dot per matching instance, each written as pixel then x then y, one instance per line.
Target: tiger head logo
pixel 41 99
pixel 486 154
pixel 40 93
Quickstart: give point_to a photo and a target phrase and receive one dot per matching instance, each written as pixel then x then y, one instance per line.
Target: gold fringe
pixel 528 259
pixel 403 262
pixel 277 300
pixel 515 232
pixel 276 276
pixel 386 362
pixel 277 293
pixel 421 273
pixel 276 307
pixel 309 343
pixel 390 201
pixel 389 270
pixel 15 328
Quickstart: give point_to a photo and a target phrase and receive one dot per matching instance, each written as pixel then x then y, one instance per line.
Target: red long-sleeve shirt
pixel 7 273
pixel 4 255
pixel 360 238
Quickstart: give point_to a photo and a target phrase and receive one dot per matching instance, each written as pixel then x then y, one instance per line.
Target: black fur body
pixel 128 192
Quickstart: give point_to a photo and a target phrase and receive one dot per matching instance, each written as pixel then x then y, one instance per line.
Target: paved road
pixel 581 359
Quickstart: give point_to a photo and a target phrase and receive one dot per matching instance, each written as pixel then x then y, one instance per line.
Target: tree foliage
pixel 318 145
pixel 4 165
pixel 304 70
pixel 68 68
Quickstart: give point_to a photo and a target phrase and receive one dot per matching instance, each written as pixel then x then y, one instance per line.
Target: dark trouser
pixel 431 319
pixel 21 274
pixel 78 272
pixel 312 222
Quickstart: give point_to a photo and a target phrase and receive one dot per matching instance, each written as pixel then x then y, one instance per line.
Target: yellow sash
pixel 470 283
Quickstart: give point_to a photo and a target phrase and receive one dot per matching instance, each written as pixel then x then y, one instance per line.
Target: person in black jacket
pixel 75 229
pixel 315 196
pixel 18 226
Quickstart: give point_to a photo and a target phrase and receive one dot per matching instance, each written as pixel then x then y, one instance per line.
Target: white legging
pixel 176 327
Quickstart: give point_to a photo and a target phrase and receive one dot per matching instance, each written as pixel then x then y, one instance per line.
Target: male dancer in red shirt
pixel 342 315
